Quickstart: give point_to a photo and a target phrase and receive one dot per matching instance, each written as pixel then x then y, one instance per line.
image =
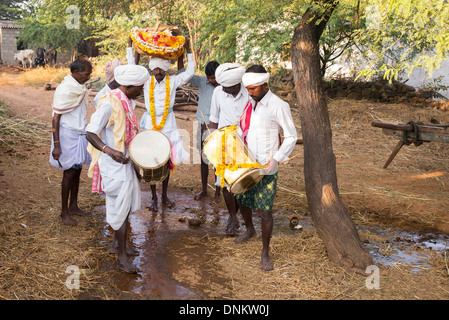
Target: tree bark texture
pixel 329 214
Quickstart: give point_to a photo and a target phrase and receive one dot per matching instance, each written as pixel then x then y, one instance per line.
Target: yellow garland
pixel 220 170
pixel 167 104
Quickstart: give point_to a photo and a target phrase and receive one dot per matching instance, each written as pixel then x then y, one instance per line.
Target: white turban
pixel 131 75
pixel 161 63
pixel 229 74
pixel 109 69
pixel 255 79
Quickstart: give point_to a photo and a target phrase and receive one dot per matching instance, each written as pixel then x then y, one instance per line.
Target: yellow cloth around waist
pixel 118 119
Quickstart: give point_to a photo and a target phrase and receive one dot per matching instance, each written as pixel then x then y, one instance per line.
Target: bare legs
pixel 267 229
pixel 123 262
pixel 232 206
pixel 165 200
pixel 69 189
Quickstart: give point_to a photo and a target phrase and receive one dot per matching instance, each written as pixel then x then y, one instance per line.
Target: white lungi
pixel 73 149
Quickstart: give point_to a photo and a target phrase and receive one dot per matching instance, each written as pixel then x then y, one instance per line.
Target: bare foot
pixel 232 226
pixel 126 266
pixel 217 199
pixel 78 212
pixel 167 202
pixel 265 264
pixel 153 205
pixel 68 220
pixel 129 251
pixel 200 195
pixel 246 236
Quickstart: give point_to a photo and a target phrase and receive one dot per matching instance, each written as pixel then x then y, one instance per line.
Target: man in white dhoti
pixel 261 124
pixel 111 84
pixel 111 129
pixel 68 151
pixel 160 94
pixel 227 105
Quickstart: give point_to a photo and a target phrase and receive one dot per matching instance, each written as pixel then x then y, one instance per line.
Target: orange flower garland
pixel 159 126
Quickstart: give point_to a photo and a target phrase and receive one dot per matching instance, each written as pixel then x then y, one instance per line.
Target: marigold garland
pixel 222 167
pixel 159 126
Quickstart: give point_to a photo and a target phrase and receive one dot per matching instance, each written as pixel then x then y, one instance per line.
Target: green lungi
pixel 262 195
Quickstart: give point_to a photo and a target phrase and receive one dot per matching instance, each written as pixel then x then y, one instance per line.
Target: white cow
pixel 24 56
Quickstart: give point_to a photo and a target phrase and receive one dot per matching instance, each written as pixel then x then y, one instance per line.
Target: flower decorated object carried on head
pixel 223 166
pixel 157 44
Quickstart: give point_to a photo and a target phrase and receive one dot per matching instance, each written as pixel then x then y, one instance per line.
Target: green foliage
pixel 10 9
pixel 114 33
pixel 403 35
pixel 394 36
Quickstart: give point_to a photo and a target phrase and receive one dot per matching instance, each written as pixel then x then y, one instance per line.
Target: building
pixel 9 33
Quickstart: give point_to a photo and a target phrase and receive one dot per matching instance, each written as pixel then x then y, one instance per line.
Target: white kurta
pixel 271 116
pixel 170 128
pixel 119 181
pixel 101 93
pixel 226 110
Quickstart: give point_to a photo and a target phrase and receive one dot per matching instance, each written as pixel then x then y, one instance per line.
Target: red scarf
pixel 245 119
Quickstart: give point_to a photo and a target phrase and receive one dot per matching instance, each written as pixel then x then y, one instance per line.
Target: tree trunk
pixel 329 214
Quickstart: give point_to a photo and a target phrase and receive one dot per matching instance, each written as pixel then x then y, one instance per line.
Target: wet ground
pixel 156 235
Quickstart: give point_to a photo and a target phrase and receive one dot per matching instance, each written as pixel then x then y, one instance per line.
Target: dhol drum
pixel 150 152
pixel 246 172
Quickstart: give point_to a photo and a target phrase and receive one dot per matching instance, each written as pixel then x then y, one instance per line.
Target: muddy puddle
pixel 154 234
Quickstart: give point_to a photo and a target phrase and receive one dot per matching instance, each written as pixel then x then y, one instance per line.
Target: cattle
pixel 25 57
pixel 40 57
pixel 50 56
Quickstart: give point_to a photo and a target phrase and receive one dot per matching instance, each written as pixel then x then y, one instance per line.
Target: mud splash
pixel 153 233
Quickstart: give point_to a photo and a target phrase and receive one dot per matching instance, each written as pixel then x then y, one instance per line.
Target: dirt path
pixel 411 195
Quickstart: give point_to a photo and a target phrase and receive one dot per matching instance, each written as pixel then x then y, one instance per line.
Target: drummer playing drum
pixel 261 124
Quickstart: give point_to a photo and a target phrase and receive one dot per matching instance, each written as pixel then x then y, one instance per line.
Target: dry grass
pixel 36 249
pixel 37 77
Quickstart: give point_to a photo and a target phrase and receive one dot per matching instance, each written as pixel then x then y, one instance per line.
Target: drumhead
pixel 248 180
pixel 150 149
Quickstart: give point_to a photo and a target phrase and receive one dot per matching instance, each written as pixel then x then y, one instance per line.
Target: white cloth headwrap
pixel 131 75
pixel 109 69
pixel 255 79
pixel 156 62
pixel 229 74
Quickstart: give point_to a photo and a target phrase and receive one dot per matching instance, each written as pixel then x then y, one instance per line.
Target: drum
pixel 150 152
pixel 236 152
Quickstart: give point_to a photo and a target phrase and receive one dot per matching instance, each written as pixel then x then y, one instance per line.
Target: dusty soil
pixel 411 195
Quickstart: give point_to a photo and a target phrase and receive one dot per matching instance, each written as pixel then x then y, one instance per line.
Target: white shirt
pixel 101 93
pixel 225 108
pixel 108 166
pixel 270 116
pixel 75 119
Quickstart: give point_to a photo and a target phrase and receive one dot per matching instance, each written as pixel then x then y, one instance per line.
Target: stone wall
pixel 9 33
pixel 376 91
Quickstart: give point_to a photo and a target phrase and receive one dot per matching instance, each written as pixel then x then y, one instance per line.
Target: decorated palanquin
pixel 160 44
